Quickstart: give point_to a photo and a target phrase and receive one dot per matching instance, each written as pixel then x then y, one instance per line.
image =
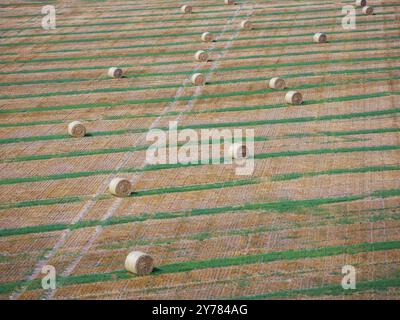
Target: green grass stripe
pixel 42 202
pixel 72 175
pixel 168 86
pixel 374 113
pixel 180 52
pixel 289 153
pixel 176 12
pixel 349 71
pixel 141 193
pixel 342 133
pixel 166 100
pixel 277 206
pixel 66 136
pixel 163 8
pixel 28 71
pixel 187 266
pixel 72 80
pixel 145 147
pixel 205 126
pixel 199 17
pixel 216 185
pixel 297 175
pixel 128 22
pixel 107 6
pixel 390 213
pixel 90 91
pixel 293 153
pixel 133 46
pixel 31 123
pixel 135 102
pixel 275 65
pixel 385 193
pixel 330 290
pixel 181 34
pixel 145 15
pixel 100 151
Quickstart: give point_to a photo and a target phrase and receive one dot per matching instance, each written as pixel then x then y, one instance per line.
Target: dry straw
pixel 320 37
pixel 238 151
pixel 294 97
pixel 277 83
pixel 139 263
pixel 207 37
pixel 361 3
pixel 246 25
pixel 115 72
pixel 198 79
pixel 368 10
pixel 201 55
pixel 186 8
pixel 229 1
pixel 76 129
pixel 120 187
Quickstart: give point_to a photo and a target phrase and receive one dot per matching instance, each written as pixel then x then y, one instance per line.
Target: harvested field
pixel 324 192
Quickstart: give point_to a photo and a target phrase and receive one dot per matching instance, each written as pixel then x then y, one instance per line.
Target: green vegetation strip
pixel 152 100
pixel 188 266
pixel 196 15
pixel 72 175
pixel 390 213
pixel 199 17
pixel 132 76
pixel 135 102
pixel 183 34
pixel 276 65
pixel 109 150
pixel 297 175
pixel 72 80
pixel 169 86
pixel 384 112
pixel 180 52
pixel 278 206
pixel 247 108
pixel 188 188
pixel 71 199
pixel 129 22
pixel 330 290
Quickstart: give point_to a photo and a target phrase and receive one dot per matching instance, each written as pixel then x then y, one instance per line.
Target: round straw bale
pixel 277 83
pixel 198 79
pixel 294 97
pixel 139 263
pixel 361 3
pixel 201 55
pixel 186 8
pixel 120 187
pixel 246 25
pixel 115 72
pixel 238 151
pixel 76 129
pixel 207 37
pixel 229 1
pixel 368 10
pixel 320 37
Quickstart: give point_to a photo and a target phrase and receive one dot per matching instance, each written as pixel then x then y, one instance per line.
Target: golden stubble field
pixel 325 191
